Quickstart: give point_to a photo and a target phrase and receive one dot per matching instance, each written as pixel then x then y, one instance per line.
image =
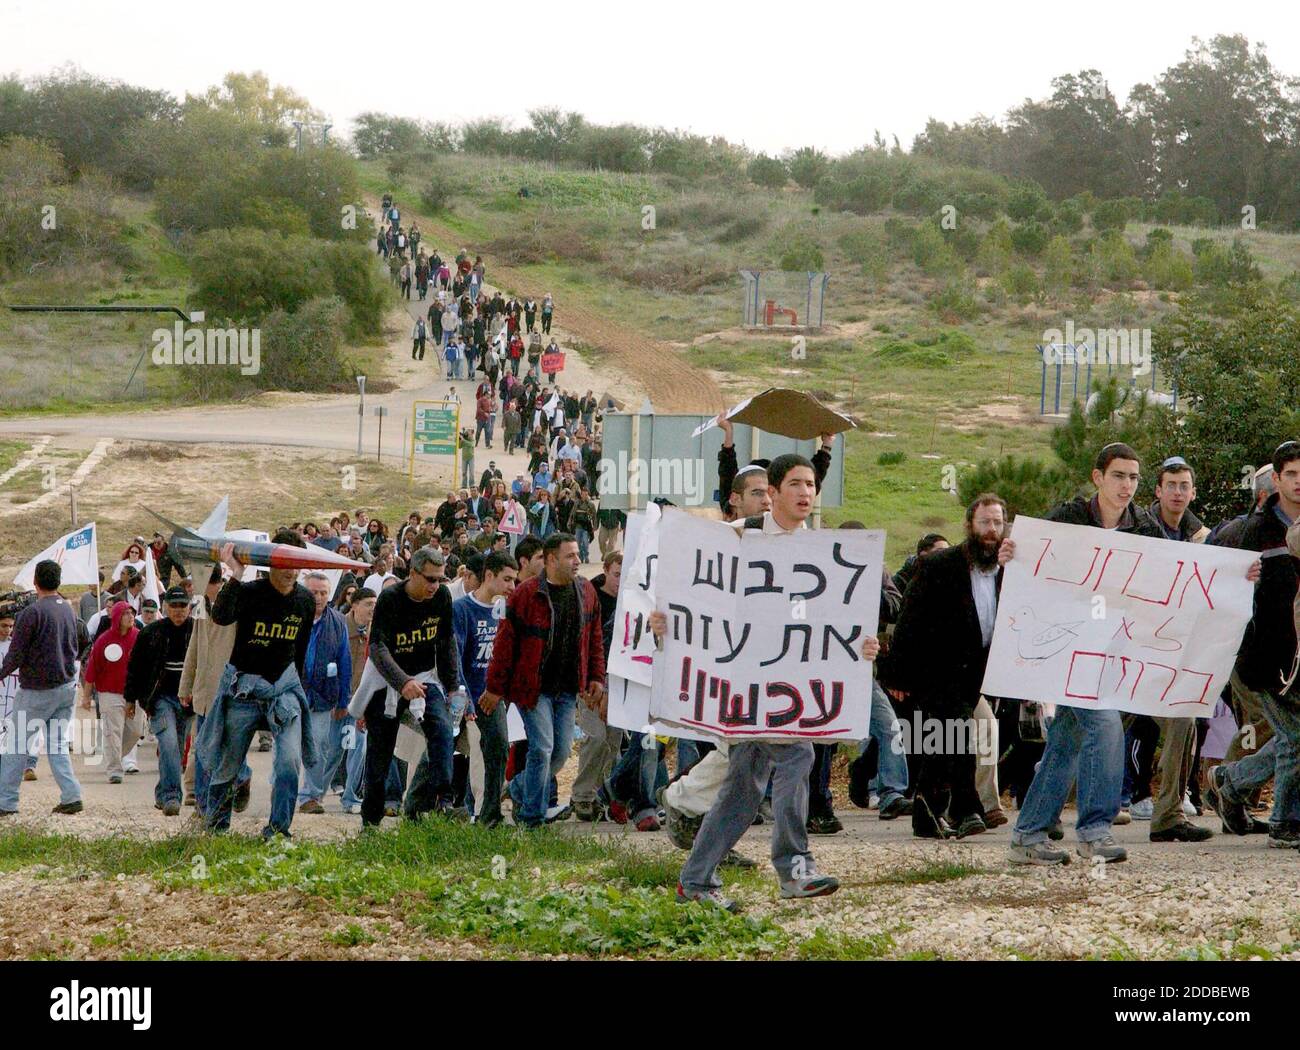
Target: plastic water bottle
pixel 458 702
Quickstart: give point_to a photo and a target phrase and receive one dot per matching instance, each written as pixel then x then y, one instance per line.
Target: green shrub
pixel 1021 282
pixel 1029 238
pixel 1118 262
pixel 768 171
pixel 302 350
pixel 956 300
pixel 868 248
pixel 807 165
pixel 1111 215
pixel 889 459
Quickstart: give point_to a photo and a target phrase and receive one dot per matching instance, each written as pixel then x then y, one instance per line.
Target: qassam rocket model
pixel 204 545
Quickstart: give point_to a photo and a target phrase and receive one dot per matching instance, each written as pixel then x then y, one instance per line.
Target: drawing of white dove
pixel 1039 641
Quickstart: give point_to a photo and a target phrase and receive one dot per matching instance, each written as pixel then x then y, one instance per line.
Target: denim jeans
pixel 381 733
pixel 1086 743
pixel 169 723
pixel 332 737
pixel 584 539
pixel 51 711
pixel 549 725
pixel 243 719
pixel 891 775
pixel 202 776
pixel 636 774
pixel 689 752
pixel 1279 758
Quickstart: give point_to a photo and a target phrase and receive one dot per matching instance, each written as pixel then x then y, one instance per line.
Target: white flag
pixel 77 553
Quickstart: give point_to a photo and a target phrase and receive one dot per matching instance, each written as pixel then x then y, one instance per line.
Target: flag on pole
pixel 77 553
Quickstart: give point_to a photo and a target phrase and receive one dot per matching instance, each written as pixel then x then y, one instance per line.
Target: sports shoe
pixel 1189 807
pixel 810 886
pixel 243 793
pixel 994 818
pixel 1185 831
pixel 1106 848
pixel 1284 838
pixel 824 824
pixel 30 774
pixel 1038 853
pixel 713 897
pixel 859 784
pixel 764 814
pixel 171 809
pixel 68 808
pixel 115 779
pixel 1056 832
pixel 555 814
pixel 1142 810
pixel 130 771
pixel 592 812
pixel 1123 817
pixel 898 806
pixel 1232 815
pixel 736 860
pixel 311 806
pixel 649 822
pixel 928 826
pixel 681 828
pixel 873 801
pixel 971 825
pixel 189 800
pixel 8 812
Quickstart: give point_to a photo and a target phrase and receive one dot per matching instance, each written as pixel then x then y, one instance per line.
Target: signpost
pixel 380 411
pixel 361 409
pixel 435 431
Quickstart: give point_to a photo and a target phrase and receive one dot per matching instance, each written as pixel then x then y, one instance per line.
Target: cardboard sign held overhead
pixel 792 413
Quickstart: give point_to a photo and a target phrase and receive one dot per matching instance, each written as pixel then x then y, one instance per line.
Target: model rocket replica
pixel 204 544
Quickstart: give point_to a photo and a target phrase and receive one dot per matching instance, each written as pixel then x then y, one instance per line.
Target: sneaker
pixel 591 812
pixel 994 818
pixel 1106 848
pixel 1056 832
pixel 764 815
pixel 1232 815
pixel 8 812
pixel 1189 807
pixel 243 793
pixel 810 886
pixel 713 897
pixel 68 808
pixel 1142 810
pixel 925 825
pixel 873 801
pixel 30 774
pixel 681 828
pixel 130 771
pixel 171 809
pixel 311 806
pixel 737 860
pixel 1184 831
pixel 898 806
pixel 1284 838
pixel 554 814
pixel 115 779
pixel 1038 853
pixel 351 811
pixel 1123 817
pixel 648 823
pixel 1257 827
pixel 972 825
pixel 824 824
pixel 189 800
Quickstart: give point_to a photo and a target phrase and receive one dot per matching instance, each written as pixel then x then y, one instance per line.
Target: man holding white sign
pixel 773 731
pixel 1101 623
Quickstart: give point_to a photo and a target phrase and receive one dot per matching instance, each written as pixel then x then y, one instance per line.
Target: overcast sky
pixel 769 74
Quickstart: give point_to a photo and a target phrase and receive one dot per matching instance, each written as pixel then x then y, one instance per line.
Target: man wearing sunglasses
pixel 414 650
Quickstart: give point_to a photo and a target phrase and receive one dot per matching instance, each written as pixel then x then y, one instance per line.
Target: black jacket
pixel 938 647
pixel 1082 510
pixel 156 662
pixel 1269 644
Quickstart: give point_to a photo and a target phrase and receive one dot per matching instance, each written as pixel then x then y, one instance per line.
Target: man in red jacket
pixel 106 673
pixel 548 652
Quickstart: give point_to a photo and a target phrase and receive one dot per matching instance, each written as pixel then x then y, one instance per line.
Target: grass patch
pixel 826 945
pixel 350 936
pixel 928 871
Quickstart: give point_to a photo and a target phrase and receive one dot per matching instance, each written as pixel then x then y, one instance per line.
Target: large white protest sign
pixel 629 708
pixel 631 653
pixel 765 632
pixel 77 554
pixel 1094 618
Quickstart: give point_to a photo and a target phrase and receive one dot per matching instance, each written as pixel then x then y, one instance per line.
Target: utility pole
pixel 361 410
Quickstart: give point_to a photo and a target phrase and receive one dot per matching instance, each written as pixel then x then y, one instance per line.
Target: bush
pixel 1028 485
pixel 302 350
pixel 994 254
pixel 1167 268
pixel 1029 238
pixel 870 250
pixel 438 192
pixel 244 274
pixel 937 351
pixel 768 171
pixel 1021 282
pixel 1068 218
pixel 956 302
pixel 1118 262
pixel 807 165
pixel 1027 203
pixel 1111 215
pixel 1058 263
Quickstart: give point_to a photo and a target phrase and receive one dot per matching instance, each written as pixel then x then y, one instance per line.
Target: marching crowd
pixel 392 686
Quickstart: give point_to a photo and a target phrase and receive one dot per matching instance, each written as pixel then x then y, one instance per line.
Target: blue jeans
pixel 51 711
pixel 1086 743
pixel 689 752
pixel 332 740
pixel 202 777
pixel 549 724
pixel 243 719
pixel 636 774
pixel 169 723
pixel 891 773
pixel 584 538
pixel 1279 758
